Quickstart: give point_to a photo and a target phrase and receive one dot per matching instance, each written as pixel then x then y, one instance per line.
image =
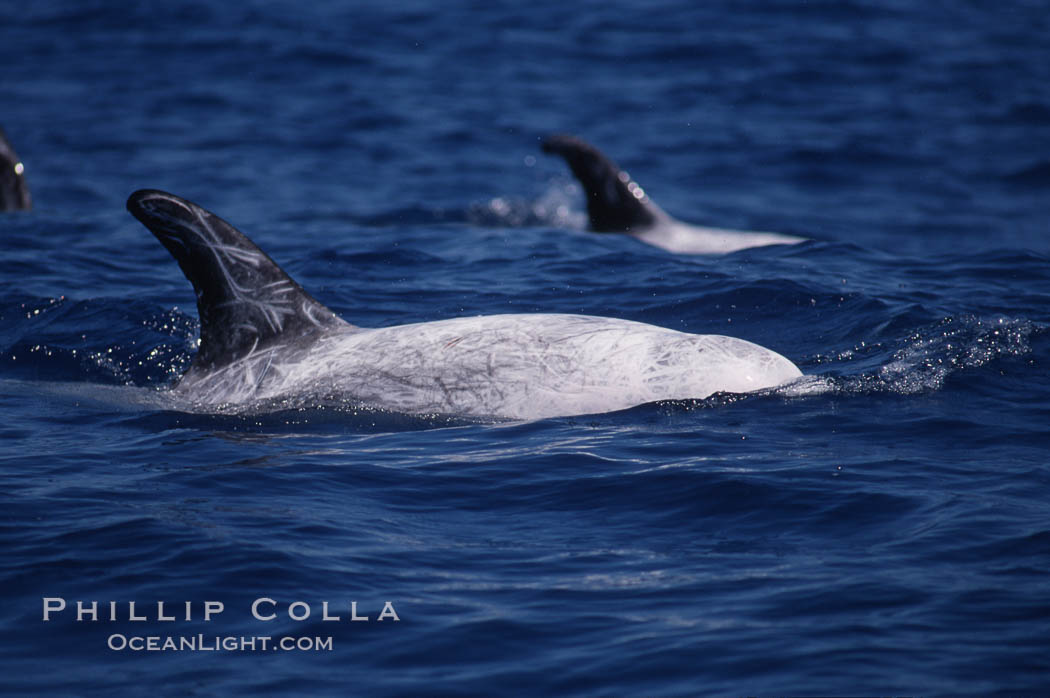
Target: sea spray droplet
pixel 925 358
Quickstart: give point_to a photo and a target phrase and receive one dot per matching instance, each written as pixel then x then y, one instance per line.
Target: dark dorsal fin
pixel 244 299
pixel 615 203
pixel 14 192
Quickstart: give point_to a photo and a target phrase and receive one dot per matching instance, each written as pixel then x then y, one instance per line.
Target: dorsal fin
pixel 245 301
pixel 615 203
pixel 14 192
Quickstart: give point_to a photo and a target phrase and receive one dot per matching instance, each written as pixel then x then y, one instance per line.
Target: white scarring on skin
pixel 263 337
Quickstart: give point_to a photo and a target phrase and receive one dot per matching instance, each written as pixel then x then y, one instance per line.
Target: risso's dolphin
pixel 14 193
pixel 263 337
pixel 616 204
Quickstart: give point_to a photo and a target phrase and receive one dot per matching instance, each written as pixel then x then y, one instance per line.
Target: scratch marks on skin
pixel 175 238
pixel 263 373
pixel 272 306
pixel 241 381
pixel 518 366
pixel 266 340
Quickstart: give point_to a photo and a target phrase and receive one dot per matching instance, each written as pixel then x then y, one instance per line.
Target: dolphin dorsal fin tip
pixel 244 299
pixel 615 203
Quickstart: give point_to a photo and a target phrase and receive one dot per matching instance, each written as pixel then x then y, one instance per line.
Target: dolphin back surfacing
pixel 264 337
pixel 617 204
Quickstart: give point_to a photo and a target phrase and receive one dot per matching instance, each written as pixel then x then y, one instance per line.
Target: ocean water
pixel 882 527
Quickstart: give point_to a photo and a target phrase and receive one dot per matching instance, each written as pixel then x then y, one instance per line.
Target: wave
pixel 924 359
pixel 1034 175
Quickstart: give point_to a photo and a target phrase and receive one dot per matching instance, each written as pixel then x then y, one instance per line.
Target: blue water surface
pixel 883 528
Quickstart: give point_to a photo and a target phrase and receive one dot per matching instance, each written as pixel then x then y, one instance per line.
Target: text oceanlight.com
pixel 216 643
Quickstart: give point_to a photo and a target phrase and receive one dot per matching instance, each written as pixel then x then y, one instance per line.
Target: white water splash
pixel 924 359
